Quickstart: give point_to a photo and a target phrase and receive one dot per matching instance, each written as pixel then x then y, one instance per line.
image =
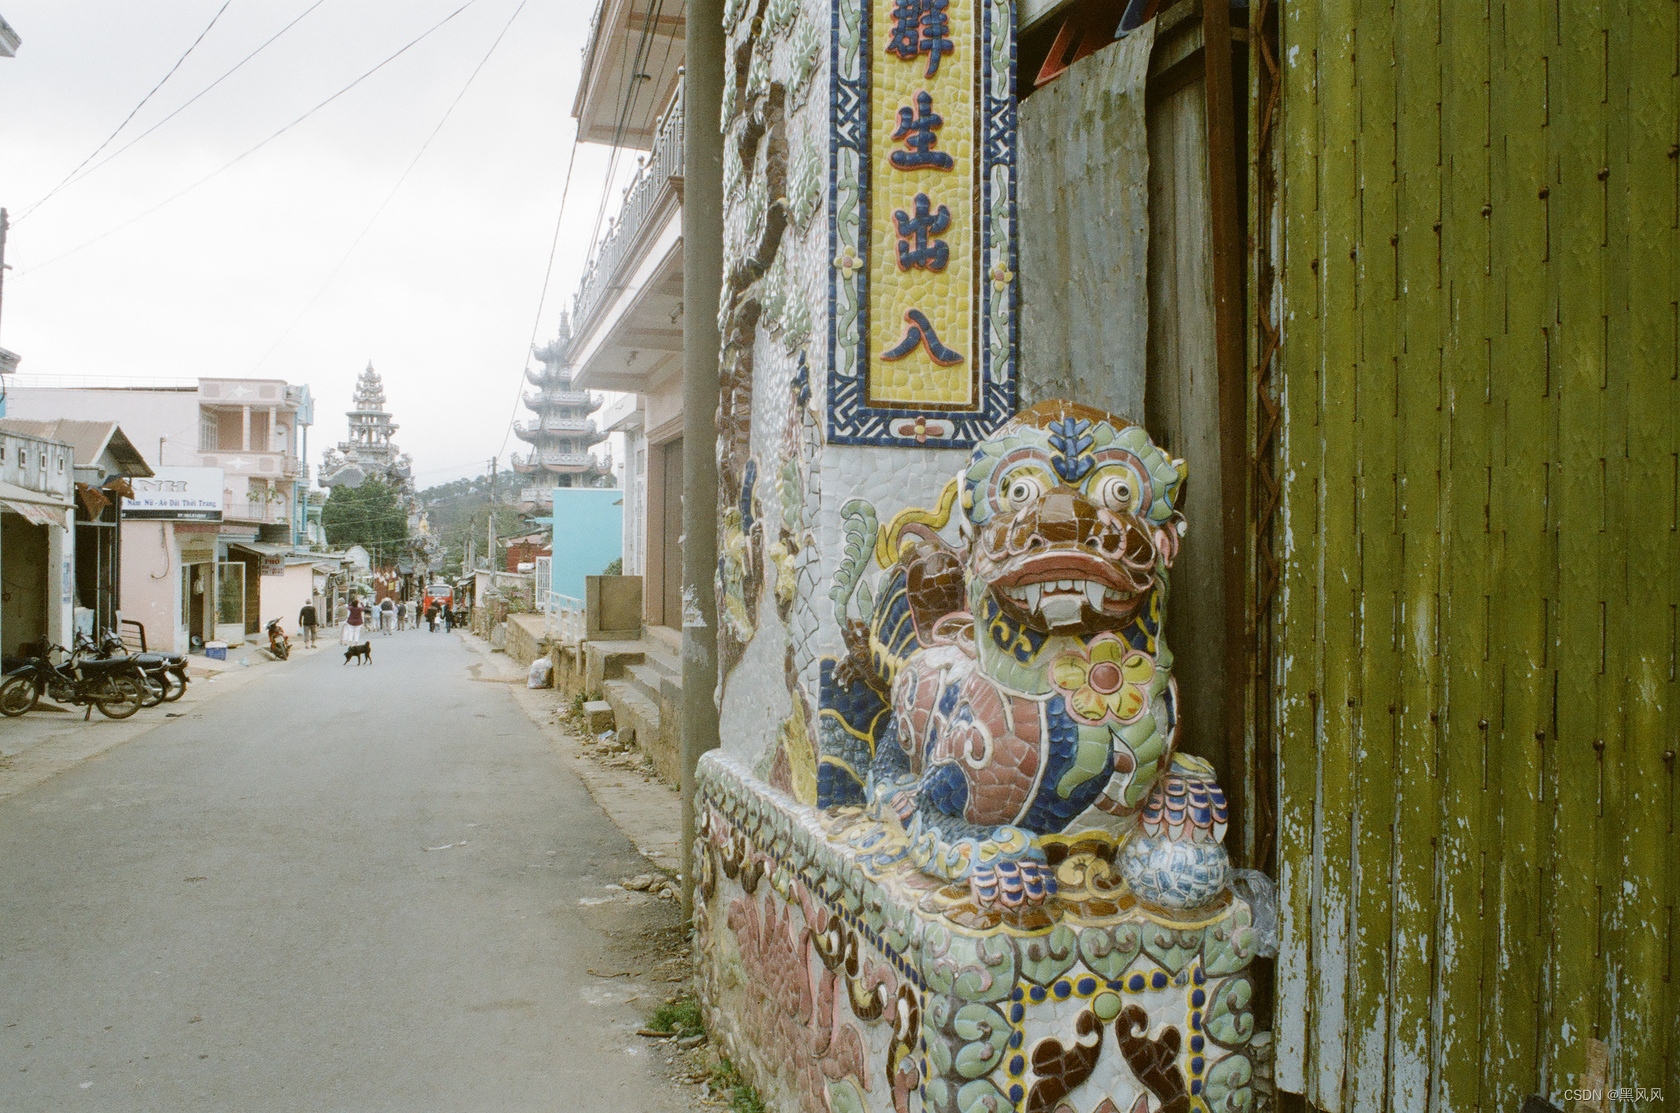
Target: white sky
pixel 442 292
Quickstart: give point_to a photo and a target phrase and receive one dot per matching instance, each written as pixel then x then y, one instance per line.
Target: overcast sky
pixel 442 292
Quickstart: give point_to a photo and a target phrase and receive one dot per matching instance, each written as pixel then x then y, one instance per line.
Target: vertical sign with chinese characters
pixel 922 221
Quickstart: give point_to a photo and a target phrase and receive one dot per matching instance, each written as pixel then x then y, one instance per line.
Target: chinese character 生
pixel 916 127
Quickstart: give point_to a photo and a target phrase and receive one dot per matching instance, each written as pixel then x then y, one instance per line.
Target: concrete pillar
pixel 245 428
pixel 61 581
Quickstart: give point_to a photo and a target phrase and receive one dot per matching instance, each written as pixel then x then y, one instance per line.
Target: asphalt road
pixel 337 888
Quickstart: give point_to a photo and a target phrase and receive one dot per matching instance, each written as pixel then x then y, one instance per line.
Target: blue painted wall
pixel 588 535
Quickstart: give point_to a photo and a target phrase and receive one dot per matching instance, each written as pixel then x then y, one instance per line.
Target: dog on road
pixel 363 651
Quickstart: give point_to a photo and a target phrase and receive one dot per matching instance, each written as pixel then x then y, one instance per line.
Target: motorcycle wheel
pixel 155 688
pixel 119 697
pixel 283 650
pixel 174 687
pixel 18 695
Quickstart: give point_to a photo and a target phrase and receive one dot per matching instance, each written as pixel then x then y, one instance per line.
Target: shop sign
pixel 177 494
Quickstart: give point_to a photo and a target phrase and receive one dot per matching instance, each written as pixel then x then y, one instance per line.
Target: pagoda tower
pixel 562 434
pixel 371 429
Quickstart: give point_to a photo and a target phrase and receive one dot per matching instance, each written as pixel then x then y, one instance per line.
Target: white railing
pixel 560 459
pixel 664 165
pixel 563 615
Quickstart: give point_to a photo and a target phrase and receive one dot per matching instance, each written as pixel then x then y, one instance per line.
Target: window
pixel 206 431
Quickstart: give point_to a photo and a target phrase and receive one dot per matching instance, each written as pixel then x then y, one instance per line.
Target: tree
pixel 368 515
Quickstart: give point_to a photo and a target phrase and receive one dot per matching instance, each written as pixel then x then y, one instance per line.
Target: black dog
pixel 364 651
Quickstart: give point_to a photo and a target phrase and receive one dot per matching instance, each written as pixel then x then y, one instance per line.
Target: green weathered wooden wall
pixel 1475 637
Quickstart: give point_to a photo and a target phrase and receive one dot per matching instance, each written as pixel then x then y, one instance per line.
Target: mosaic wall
pixel 949 858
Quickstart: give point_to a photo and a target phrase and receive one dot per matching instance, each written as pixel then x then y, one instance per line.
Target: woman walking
pixel 355 630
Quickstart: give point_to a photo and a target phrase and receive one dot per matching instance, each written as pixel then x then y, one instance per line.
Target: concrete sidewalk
pixel 52 738
pixel 648 811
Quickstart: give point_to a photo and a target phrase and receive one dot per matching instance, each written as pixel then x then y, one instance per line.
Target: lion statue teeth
pixel 1018 688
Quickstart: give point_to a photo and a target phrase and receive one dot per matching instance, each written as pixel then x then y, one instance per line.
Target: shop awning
pixel 37 506
pixel 262 548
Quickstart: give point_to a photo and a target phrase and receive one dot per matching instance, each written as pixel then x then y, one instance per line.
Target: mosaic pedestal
pixel 843 980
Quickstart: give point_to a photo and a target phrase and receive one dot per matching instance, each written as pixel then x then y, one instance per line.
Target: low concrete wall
pixel 525 635
pixel 613 607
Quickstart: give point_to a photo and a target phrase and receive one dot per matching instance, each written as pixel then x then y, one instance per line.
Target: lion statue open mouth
pixel 1024 688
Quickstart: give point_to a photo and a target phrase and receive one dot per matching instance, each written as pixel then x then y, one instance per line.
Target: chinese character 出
pixel 916 126
pixel 921 333
pixel 928 256
pixel 921 27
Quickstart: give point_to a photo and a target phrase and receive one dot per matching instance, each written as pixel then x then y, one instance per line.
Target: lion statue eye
pixel 1116 491
pixel 1024 489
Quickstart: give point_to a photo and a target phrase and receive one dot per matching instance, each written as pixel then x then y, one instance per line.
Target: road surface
pixel 338 888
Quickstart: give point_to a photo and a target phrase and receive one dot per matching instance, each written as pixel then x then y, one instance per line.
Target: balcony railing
pixel 561 459
pixel 664 165
pixel 563 398
pixel 563 615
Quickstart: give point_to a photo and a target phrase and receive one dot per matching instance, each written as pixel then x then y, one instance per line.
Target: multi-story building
pixel 207 548
pixel 562 435
pixel 626 319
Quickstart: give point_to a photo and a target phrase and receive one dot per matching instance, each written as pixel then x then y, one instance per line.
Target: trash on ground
pixel 447 846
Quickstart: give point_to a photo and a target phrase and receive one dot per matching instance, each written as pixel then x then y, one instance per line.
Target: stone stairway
pixel 642 681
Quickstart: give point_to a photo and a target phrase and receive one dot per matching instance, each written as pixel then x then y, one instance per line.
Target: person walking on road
pixel 307 621
pixel 448 618
pixel 355 630
pixel 388 616
pixel 431 618
pixel 402 615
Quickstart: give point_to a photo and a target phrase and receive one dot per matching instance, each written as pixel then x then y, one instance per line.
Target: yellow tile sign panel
pixel 924 204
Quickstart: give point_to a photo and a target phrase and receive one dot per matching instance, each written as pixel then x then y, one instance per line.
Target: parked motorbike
pixel 114 685
pixel 166 673
pixel 278 643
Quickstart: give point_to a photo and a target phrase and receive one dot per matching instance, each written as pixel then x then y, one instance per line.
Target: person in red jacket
pixel 355 627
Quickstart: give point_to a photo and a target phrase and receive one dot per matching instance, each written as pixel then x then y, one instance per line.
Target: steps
pixel 642 680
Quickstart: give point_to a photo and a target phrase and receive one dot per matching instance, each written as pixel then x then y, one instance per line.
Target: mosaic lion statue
pixel 1026 694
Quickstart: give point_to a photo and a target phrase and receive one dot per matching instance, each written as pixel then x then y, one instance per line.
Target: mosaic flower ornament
pixel 1030 692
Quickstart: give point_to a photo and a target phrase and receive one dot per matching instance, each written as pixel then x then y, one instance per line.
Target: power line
pixel 548 271
pixel 136 108
pixel 72 178
pixel 618 135
pixel 240 158
pixel 630 96
pixel 400 180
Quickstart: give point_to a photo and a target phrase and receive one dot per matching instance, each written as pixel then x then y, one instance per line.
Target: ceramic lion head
pixel 1071 515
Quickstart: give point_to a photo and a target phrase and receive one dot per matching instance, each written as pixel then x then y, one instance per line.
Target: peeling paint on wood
pixel 1477 710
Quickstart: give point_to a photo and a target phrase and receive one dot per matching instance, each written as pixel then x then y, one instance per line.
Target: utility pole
pixel 704 55
pixel 490 525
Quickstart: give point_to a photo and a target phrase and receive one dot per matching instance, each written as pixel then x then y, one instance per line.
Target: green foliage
pixel 681 1016
pixel 370 516
pixel 742 1097
pixel 616 568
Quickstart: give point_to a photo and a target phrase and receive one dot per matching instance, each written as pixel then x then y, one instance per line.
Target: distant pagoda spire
pixel 562 433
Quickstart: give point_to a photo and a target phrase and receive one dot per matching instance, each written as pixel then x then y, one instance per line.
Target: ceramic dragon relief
pixel 1015 693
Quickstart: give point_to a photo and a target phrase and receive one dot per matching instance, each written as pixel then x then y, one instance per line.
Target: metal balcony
pixel 663 167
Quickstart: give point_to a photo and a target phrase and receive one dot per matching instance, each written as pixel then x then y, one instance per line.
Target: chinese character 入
pixel 916 127
pixel 920 333
pixel 914 250
pixel 920 27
